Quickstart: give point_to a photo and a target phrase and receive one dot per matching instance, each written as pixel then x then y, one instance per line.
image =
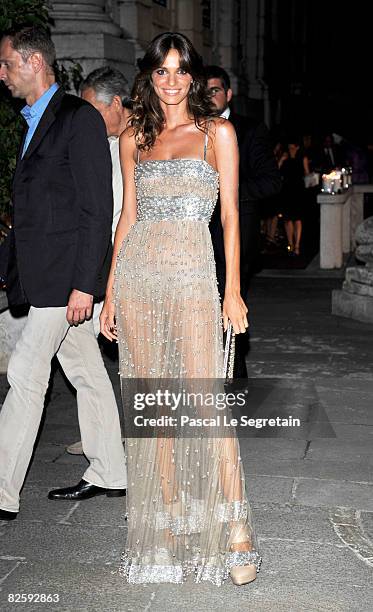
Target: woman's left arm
pixel 227 162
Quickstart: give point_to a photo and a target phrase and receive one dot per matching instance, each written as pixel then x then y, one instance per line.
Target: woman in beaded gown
pixel 186 501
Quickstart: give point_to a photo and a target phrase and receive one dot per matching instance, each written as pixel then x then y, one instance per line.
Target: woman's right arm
pixel 127 218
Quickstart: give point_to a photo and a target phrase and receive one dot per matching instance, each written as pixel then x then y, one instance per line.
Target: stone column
pixel 137 18
pixel 334 229
pixel 84 32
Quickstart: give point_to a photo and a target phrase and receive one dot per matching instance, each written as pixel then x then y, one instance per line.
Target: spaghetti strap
pixel 138 155
pixel 206 141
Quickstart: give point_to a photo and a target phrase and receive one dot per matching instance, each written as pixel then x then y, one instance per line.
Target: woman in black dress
pixel 294 167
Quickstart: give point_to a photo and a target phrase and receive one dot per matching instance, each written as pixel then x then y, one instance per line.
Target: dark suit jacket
pixel 259 174
pixel 62 207
pixel 259 179
pixel 325 162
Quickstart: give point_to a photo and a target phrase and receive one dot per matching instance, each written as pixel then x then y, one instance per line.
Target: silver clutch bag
pixel 229 348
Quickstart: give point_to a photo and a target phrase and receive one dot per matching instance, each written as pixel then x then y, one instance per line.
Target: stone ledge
pixel 358 288
pixel 358 307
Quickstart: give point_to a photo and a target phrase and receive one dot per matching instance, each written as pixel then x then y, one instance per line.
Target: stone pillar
pixel 84 32
pixel 136 17
pixel 225 42
pixel 334 229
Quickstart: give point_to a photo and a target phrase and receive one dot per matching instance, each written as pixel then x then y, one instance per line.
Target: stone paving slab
pixel 96 587
pixel 97 512
pixel 274 595
pixel 353 469
pixel 291 521
pixel 329 493
pixel 273 447
pixel 269 489
pixel 60 434
pixel 55 475
pixel 350 432
pixel 321 563
pixel 65 542
pixel 81 586
pixel 344 450
pixel 367 520
pixel 348 405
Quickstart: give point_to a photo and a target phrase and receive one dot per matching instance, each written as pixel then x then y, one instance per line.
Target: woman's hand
pixel 235 310
pixel 108 326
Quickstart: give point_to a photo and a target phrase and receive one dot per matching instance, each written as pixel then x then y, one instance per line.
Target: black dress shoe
pixel 84 490
pixel 5 515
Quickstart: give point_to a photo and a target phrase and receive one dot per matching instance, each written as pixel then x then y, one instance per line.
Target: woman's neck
pixel 175 114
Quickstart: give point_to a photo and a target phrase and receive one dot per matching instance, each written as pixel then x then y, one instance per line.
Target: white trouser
pixel 46 333
pixel 96 316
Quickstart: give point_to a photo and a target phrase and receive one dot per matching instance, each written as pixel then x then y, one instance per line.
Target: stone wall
pixel 85 32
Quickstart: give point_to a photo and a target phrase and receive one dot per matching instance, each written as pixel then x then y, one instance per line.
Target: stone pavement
pixel 312 498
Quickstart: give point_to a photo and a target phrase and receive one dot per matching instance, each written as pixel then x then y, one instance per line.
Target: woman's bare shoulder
pixel 222 130
pixel 128 135
pixel 221 127
pixel 127 141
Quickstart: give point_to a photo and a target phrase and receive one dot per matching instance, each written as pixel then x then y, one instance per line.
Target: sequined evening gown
pixel 186 496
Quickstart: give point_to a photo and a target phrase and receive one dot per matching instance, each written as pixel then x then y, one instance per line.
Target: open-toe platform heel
pixel 242 574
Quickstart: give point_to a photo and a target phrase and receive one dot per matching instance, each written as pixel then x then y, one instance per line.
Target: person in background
pixel 271 209
pixel 331 154
pixel 107 90
pixel 294 167
pixel 259 179
pixel 309 150
pixel 61 230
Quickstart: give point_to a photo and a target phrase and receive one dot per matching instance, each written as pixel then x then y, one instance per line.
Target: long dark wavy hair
pixel 147 119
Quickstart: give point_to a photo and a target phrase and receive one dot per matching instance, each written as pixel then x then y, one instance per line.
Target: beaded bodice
pixel 176 189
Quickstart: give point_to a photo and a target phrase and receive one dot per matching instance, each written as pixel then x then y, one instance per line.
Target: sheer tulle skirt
pixel 186 497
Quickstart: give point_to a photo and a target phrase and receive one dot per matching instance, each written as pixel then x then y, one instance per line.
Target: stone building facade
pixel 116 32
pixel 263 44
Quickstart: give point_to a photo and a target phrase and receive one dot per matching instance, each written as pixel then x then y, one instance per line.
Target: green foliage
pixel 23 12
pixel 14 13
pixel 70 78
pixel 17 13
pixel 11 127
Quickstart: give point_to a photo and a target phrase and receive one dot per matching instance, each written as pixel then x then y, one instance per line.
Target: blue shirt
pixel 34 113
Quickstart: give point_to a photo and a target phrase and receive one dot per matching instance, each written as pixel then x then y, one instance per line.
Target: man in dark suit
pixel 259 179
pixel 331 155
pixel 62 215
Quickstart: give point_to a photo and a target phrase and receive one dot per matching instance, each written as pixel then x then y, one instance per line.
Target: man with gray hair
pixel 107 90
